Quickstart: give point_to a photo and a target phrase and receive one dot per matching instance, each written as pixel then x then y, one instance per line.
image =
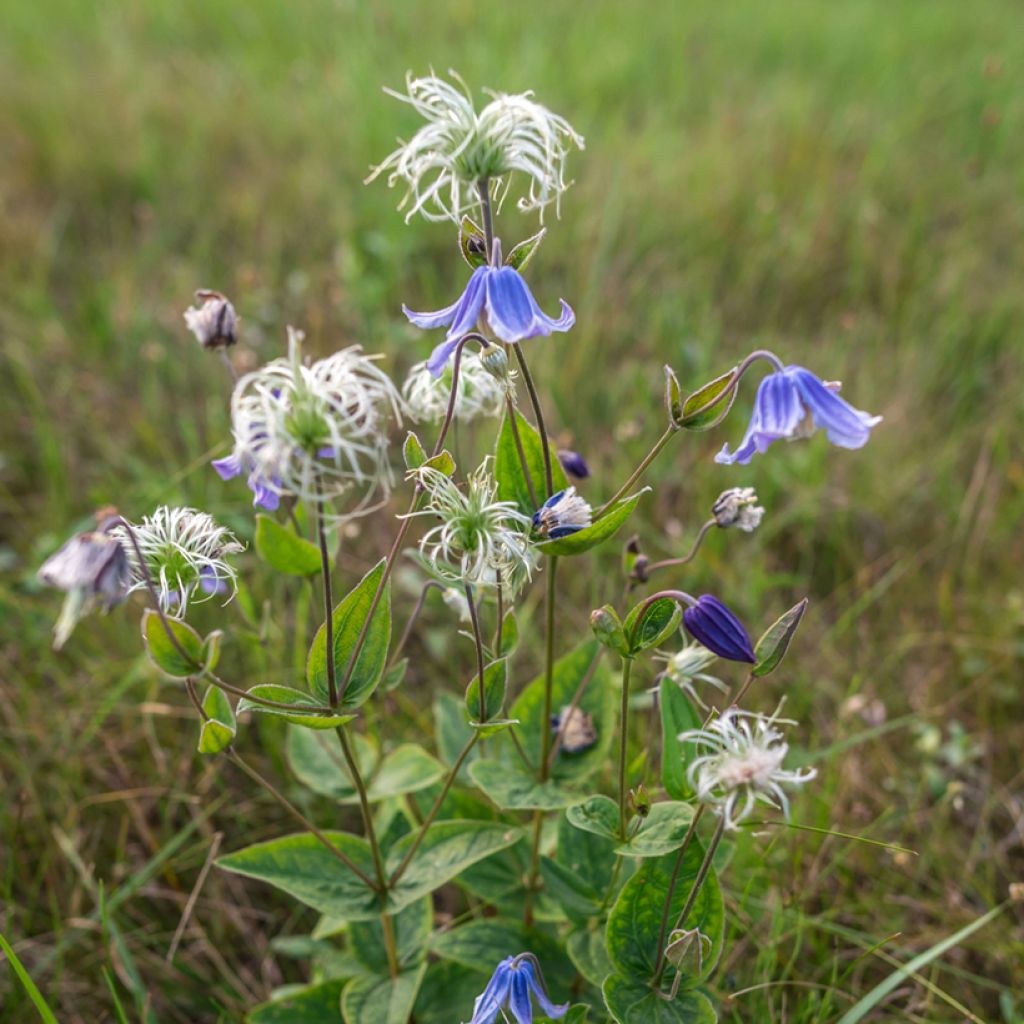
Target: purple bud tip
pixel 712 624
pixel 574 464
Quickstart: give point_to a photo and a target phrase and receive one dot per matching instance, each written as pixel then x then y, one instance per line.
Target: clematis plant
pixel 523 829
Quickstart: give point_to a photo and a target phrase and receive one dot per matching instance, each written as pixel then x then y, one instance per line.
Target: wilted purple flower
pixel 502 296
pixel 214 323
pixel 574 464
pixel 93 569
pixel 515 979
pixel 709 622
pixel 791 403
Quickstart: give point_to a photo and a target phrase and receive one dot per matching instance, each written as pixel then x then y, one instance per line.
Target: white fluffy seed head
pixel 479 393
pixel 743 765
pixel 318 431
pixel 686 667
pixel 185 552
pixel 479 540
pixel 458 147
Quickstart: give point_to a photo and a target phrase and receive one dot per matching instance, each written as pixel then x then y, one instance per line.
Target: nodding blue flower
pixel 574 464
pixel 514 980
pixel 712 624
pixel 264 494
pixel 502 296
pixel 562 514
pixel 791 403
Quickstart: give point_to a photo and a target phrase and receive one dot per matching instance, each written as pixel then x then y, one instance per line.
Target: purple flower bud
pixel 574 464
pixel 214 322
pixel 712 624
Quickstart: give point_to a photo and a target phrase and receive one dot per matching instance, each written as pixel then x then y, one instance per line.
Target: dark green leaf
pixel 495 685
pixel 587 951
pixel 677 715
pixel 512 485
pixel 382 1000
pixel 315 719
pixel 302 867
pixel 512 787
pixel 394 676
pixel 218 731
pixel 448 849
pixel 162 651
pixel 569 672
pixel 598 815
pixel 772 646
pixel 662 831
pixel 282 549
pixel 521 253
pixel 673 397
pixel 315 1004
pixel 211 649
pixel 603 529
pixel 635 920
pixel 452 732
pixel 577 897
pixel 661 619
pixel 411 927
pixel 631 1001
pixel 709 405
pixel 348 620
pixel 509 635
pixel 443 462
pixel 448 993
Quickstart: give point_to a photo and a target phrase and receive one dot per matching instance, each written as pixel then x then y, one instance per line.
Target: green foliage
pixel 314 719
pixel 710 404
pixel 311 1005
pixel 218 730
pixel 162 650
pixel 597 533
pixel 658 622
pixel 677 715
pixel 348 620
pixel 772 647
pixel 382 1000
pixel 632 1002
pixel 283 550
pixel 662 831
pixel 513 485
pixel 495 686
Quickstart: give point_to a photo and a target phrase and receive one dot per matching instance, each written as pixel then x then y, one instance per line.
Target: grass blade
pixel 27 983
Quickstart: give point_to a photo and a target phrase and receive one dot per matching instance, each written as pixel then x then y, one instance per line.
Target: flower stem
pixel 689 557
pixel 510 411
pixel 483 187
pixel 532 876
pixel 549 668
pixel 474 617
pixel 299 816
pixel 691 900
pixel 538 412
pixel 627 668
pixel 325 572
pixel 638 472
pixel 421 835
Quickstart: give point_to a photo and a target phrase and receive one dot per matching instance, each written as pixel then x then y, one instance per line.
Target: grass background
pixel 840 181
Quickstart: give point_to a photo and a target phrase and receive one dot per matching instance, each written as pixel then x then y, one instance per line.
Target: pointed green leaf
pixel 305 869
pixel 413 451
pixel 411 927
pixel 508 470
pixel 382 1000
pixel 709 405
pixel 218 731
pixel 587 951
pixel 447 850
pixel 661 619
pixel 211 650
pixel 772 646
pixel 635 920
pixel 577 897
pixel 161 648
pixel 509 635
pixel 598 815
pixel 677 715
pixel 632 1001
pixel 495 685
pixel 284 550
pixel 512 787
pixel 662 831
pixel 312 1005
pixel 348 620
pixel 673 397
pixel 395 676
pixel 589 537
pixel 521 253
pixel 315 719
pixel 448 993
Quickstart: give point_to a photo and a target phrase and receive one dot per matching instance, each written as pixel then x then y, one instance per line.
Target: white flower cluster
pixel 743 766
pixel 185 553
pixel 687 666
pixel 479 393
pixel 316 431
pixel 458 147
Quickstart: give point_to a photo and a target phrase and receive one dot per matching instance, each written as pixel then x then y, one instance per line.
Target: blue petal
pixel 845 426
pixel 777 414
pixel 711 623
pixel 563 531
pixel 462 318
pixel 228 467
pixel 519 999
pixel 513 312
pixel 450 314
pixel 263 495
pixel 553 1010
pixel 489 1003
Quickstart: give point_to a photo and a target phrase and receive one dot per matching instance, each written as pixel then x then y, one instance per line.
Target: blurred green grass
pixel 839 181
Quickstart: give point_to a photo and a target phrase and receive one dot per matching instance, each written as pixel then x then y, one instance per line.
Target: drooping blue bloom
pixel 791 403
pixel 264 495
pixel 510 988
pixel 564 513
pixel 500 294
pixel 574 464
pixel 712 624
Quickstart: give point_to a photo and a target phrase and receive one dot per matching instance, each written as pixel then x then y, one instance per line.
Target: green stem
pixel 514 427
pixel 531 883
pixel 483 187
pixel 691 900
pixel 549 668
pixel 325 571
pixel 538 412
pixel 474 617
pixel 421 835
pixel 638 472
pixel 627 668
pixel 689 557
